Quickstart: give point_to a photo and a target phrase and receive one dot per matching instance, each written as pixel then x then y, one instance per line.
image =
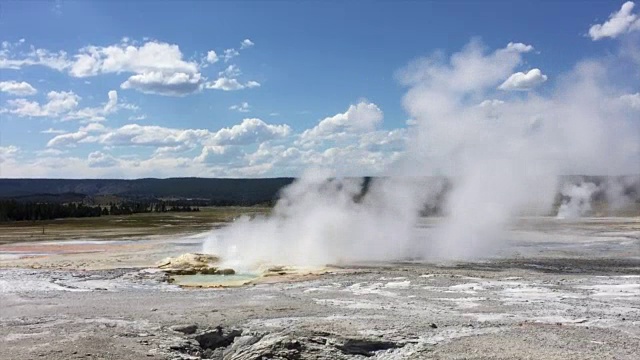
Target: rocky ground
pixel 572 295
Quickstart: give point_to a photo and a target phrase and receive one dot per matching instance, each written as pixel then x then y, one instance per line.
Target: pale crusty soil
pixel 561 291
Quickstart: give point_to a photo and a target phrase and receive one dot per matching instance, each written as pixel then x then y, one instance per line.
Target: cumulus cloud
pixel 7 152
pixel 632 100
pixel 524 81
pixel 69 139
pixel 168 84
pixel 249 131
pixel 58 103
pixel 154 67
pixel 17 88
pixel 52 131
pixel 519 47
pixel 96 113
pixel 99 159
pixel 58 61
pixel 139 135
pixel 620 22
pixel 361 117
pixel 159 68
pixel 230 54
pixel 213 154
pixel 230 84
pixel 246 43
pixel 138 117
pixel 469 69
pixel 64 105
pixel 232 71
pixel 242 107
pixel 151 57
pixel 212 57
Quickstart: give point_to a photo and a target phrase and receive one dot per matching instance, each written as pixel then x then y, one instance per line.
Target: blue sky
pixel 297 64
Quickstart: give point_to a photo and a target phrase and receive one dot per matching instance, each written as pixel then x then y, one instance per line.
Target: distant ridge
pixel 214 190
pixel 220 191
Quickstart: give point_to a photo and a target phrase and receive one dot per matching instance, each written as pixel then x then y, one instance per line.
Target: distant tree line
pixel 12 210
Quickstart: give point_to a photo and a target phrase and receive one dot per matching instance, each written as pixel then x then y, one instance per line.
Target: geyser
pixel 502 150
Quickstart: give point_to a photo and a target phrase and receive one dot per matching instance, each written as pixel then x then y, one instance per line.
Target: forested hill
pixel 212 191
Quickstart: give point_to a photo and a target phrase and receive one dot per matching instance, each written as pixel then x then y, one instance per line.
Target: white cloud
pixel 168 84
pixel 230 54
pixel 243 107
pixel 359 118
pixel 229 84
pixel 57 61
pixel 619 23
pixel 52 131
pixel 97 113
pixel 225 84
pixel 58 103
pixel 491 103
pixel 139 135
pixel 212 154
pixel 232 71
pixel 151 57
pixel 212 57
pixel 159 68
pixel 138 117
pixel 69 139
pixel 113 101
pixel 519 47
pixel 471 68
pixel 153 67
pixel 99 159
pixel 64 105
pixel 246 43
pixel 7 154
pixel 17 88
pixel 524 81
pixel 632 100
pixel 492 107
pixel 250 131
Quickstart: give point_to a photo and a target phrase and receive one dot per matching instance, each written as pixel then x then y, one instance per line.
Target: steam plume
pixel 503 158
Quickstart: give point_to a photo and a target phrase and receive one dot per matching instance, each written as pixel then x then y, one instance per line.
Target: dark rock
pixel 365 347
pixel 185 329
pixel 433 326
pixel 182 272
pixel 217 338
pixel 209 271
pixel 226 272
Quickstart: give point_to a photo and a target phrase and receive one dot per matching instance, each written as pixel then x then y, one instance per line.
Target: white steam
pixel 618 193
pixel 503 162
pixel 577 202
pixel 318 221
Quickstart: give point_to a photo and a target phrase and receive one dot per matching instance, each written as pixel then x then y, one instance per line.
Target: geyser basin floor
pixel 570 293
pixel 209 281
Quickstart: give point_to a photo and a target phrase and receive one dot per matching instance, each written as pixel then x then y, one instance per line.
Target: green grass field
pixel 124 226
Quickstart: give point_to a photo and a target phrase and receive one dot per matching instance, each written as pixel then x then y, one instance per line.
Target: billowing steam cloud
pixel 503 157
pixel 317 221
pixel 578 201
pixel 617 193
